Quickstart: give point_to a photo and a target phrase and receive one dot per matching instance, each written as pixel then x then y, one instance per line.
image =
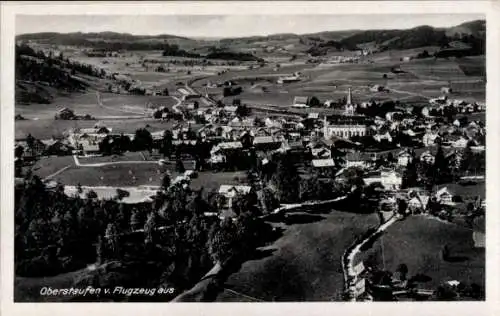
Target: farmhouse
pixel 65 114
pixel 390 179
pixel 404 158
pixel 418 203
pixel 266 143
pixel 444 196
pixel 232 191
pixel 358 159
pixel 427 157
pixel 323 163
pixel 301 102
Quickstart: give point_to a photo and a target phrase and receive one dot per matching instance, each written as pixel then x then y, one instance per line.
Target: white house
pixel 427 157
pixel 232 191
pixel 444 196
pixel 300 102
pixel 404 158
pixel 429 138
pixel 323 163
pixel 390 179
pixel 418 203
pixel 380 137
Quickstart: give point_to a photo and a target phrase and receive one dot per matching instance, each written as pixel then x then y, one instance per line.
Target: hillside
pixel 420 36
pixel 39 77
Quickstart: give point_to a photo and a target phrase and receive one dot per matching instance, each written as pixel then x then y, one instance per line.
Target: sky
pixel 229 25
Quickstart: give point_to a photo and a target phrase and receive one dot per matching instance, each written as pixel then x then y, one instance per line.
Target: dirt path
pixel 102 164
pixel 57 172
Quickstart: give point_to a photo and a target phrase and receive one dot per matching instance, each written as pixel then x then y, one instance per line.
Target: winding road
pixel 350 276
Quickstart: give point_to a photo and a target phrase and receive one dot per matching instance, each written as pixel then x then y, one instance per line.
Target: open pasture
pixel 305 263
pixel 405 242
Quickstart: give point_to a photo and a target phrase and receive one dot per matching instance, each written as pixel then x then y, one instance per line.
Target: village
pixel 321 167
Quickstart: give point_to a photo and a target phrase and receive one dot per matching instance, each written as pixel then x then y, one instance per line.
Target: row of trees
pixel 167 243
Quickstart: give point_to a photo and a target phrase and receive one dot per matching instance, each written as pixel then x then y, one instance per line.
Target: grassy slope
pixel 306 263
pixel 418 241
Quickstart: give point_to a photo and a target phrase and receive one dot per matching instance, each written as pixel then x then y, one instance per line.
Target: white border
pixel 10 9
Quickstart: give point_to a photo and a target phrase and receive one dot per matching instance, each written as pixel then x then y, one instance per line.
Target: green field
pixel 305 264
pixel 418 241
pixel 46 128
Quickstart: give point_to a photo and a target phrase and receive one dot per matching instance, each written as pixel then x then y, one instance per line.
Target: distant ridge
pixel 320 42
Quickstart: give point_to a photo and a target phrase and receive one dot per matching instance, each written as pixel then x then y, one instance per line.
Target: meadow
pixel 305 263
pixel 417 241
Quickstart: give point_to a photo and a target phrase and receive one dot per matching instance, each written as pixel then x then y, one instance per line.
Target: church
pixel 347 125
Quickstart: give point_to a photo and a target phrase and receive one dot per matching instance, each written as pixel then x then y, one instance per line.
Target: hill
pixel 39 77
pixel 416 37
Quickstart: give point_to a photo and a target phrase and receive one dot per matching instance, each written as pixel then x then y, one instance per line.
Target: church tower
pixel 349 107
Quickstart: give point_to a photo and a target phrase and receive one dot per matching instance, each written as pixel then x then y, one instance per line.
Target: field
pixel 305 264
pixel 122 174
pixel 46 128
pixel 418 241
pixel 114 105
pixel 49 165
pixel 419 81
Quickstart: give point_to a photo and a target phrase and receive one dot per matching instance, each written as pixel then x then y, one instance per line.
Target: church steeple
pixel 349 107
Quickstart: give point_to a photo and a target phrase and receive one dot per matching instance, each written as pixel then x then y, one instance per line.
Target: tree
pixel 135 221
pixel 467 159
pixel 165 182
pixel 286 180
pixel 143 140
pixel 19 151
pixel 121 194
pixel 441 169
pixel 179 166
pixel 166 144
pixel 111 236
pixel 403 269
pixel 410 175
pixel 100 250
pixel 314 102
pixel 149 228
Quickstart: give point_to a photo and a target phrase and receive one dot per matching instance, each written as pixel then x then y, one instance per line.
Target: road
pixel 351 276
pixel 102 164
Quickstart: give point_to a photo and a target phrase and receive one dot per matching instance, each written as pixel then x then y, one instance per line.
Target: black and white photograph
pixel 249 157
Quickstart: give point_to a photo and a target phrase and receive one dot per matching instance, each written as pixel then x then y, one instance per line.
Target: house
pixel 444 196
pixel 65 114
pixel 58 147
pixel 301 102
pixel 427 157
pixel 390 179
pixel 266 142
pixel 383 136
pixel 358 159
pixel 225 146
pixel 446 90
pixel 229 192
pixel 478 234
pixel 37 149
pixel 323 163
pixel 313 115
pixel 404 158
pixel 288 79
pixel 230 109
pixel 429 138
pixel 418 203
pixel 461 142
